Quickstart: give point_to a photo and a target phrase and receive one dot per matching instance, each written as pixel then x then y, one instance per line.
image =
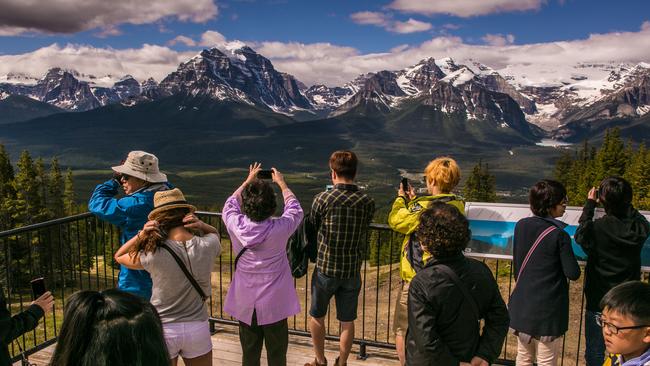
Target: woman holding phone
pixel 262 295
pixel 441 176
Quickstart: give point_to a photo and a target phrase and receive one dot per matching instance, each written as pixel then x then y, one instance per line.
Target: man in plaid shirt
pixel 340 217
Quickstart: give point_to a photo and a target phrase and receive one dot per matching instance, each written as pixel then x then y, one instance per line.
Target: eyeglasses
pixel 124 177
pixel 613 328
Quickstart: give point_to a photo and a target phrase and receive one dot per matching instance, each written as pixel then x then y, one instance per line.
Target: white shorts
pixel 187 339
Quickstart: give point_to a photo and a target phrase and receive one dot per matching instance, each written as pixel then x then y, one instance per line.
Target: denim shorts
pixel 345 292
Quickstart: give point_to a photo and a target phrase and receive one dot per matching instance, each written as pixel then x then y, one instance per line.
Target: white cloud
pixel 385 21
pixel 410 26
pixel 464 8
pixel 326 63
pixel 338 69
pixel 147 61
pixel 499 40
pixel 208 39
pixel 370 17
pixel 212 39
pixel 66 16
pixel 182 39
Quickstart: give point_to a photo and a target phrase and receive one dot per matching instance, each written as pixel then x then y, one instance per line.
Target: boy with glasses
pixel 625 323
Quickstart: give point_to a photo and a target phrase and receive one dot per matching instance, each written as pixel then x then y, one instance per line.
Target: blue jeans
pixel 595 347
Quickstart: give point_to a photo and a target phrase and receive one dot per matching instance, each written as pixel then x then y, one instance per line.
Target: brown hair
pixel 443 172
pixel 167 220
pixel 344 164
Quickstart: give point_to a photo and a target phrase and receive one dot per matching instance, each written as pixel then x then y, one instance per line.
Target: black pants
pixel 275 336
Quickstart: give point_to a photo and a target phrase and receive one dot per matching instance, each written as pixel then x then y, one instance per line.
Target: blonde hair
pixel 443 172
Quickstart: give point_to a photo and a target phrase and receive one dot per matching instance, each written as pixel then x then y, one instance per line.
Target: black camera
pixel 405 184
pixel 265 174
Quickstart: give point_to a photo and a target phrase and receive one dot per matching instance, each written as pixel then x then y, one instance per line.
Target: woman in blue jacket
pixel 140 178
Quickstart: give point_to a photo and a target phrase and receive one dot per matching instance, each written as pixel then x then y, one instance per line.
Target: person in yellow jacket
pixel 441 175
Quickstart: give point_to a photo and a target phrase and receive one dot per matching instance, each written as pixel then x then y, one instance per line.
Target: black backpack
pixel 301 248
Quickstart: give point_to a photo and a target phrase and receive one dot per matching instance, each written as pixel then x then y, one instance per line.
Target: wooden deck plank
pixel 226 351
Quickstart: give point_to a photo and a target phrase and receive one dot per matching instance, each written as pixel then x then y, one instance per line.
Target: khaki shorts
pixel 401 317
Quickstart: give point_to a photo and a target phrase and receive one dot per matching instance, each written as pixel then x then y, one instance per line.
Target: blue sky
pixel 279 27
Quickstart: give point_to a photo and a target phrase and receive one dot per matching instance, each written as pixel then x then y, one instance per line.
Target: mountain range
pixel 590 98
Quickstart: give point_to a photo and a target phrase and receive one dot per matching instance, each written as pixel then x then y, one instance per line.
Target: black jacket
pixel 443 329
pixel 539 304
pixel 13 327
pixel 613 246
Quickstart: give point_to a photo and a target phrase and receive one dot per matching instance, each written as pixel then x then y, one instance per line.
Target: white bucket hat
pixel 142 165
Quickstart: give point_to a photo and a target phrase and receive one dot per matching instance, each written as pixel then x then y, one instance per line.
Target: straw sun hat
pixel 142 165
pixel 167 200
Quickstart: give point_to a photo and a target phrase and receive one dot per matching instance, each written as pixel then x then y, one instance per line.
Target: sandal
pixel 336 363
pixel 315 363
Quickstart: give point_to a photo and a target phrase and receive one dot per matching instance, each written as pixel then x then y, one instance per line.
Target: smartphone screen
pixel 38 287
pixel 265 174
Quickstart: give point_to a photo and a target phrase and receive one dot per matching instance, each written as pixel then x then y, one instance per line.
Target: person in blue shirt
pixel 140 178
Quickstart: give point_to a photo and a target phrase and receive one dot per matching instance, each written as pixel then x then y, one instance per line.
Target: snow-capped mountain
pixel 476 91
pixel 236 73
pixel 63 89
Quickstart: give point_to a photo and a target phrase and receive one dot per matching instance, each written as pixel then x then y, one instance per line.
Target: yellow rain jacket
pixel 404 218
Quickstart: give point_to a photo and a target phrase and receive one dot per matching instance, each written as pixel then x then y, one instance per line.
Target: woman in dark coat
pixel 543 261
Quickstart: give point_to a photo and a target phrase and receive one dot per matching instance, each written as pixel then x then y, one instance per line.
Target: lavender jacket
pixel 262 281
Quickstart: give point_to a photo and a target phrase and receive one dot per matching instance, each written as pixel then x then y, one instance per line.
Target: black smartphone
pixel 38 287
pixel 265 174
pixel 405 184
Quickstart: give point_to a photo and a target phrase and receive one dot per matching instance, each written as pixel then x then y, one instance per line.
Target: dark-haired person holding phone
pixel 262 294
pixel 12 327
pixel 613 244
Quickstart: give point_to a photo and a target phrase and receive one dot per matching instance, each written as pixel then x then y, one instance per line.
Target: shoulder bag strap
pixel 539 239
pixel 184 269
pixel 463 288
pixel 238 256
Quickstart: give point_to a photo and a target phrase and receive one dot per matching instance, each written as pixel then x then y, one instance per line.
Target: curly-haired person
pixel 449 296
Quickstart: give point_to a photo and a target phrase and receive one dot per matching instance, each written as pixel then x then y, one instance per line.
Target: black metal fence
pixel 76 253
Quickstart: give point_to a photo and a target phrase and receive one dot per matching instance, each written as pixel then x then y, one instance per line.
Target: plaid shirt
pixel 341 217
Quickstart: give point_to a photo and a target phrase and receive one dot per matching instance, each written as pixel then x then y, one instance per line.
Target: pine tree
pixel 55 202
pixel 563 172
pixel 480 185
pixel 7 191
pixel 28 203
pixel 68 194
pixel 612 157
pixel 42 181
pixel 638 175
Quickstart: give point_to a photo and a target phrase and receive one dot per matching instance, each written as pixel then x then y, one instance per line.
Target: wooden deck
pixel 227 352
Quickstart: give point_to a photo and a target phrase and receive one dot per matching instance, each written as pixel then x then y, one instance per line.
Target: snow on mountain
pixel 236 72
pixel 548 95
